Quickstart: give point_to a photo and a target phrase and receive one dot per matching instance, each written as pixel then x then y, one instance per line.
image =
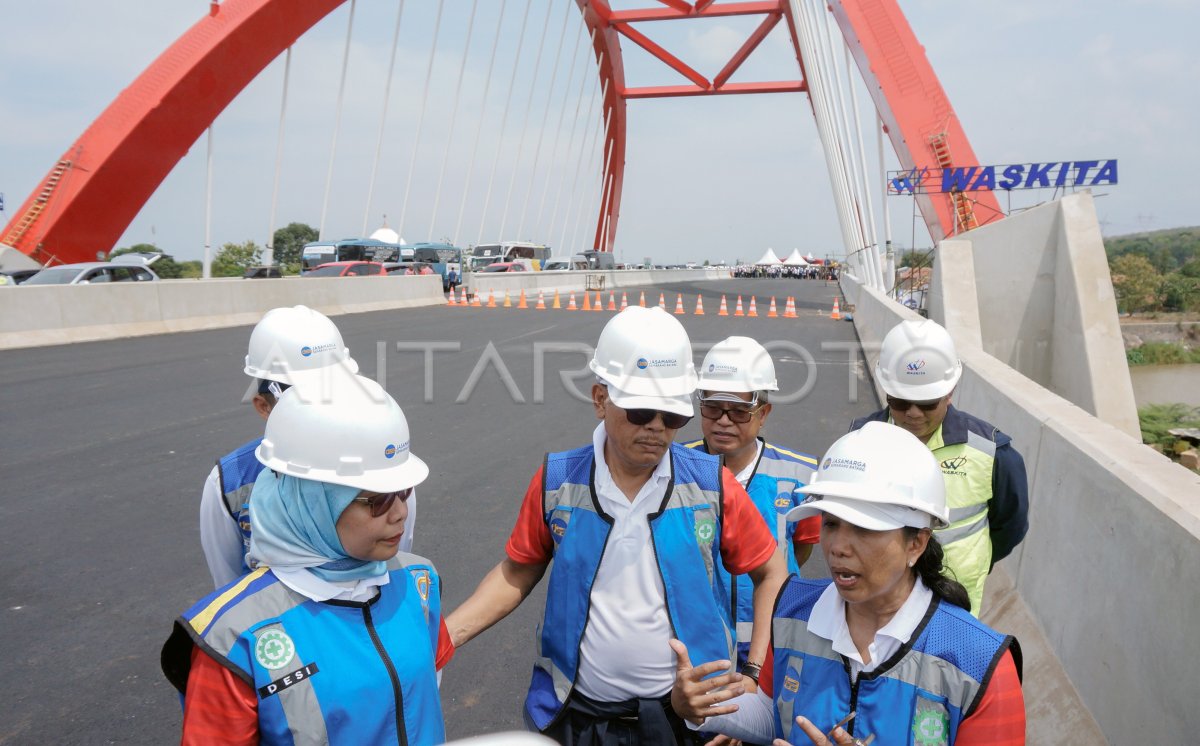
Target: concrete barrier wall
pixel 61 314
pixel 1107 582
pixel 482 283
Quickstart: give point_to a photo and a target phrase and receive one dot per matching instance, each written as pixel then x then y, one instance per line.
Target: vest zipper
pixel 853 703
pixel 401 732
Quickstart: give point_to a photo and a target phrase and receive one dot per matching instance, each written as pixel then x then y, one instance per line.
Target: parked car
pixel 262 272
pixel 561 263
pixel 504 267
pixel 347 269
pixel 408 268
pixel 14 277
pixel 92 273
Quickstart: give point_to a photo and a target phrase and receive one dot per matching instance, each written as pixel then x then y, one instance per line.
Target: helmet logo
pixel 825 465
pixel 389 451
pixel 844 463
pixel 712 367
pixel 657 362
pixel 306 351
pixel 915 366
pixel 643 363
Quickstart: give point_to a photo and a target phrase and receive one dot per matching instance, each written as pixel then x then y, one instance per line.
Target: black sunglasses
pixel 903 405
pixel 670 420
pixel 382 503
pixel 737 415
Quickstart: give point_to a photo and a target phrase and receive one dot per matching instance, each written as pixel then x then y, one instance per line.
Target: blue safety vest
pixel 772 489
pixel 919 696
pixel 686 538
pixel 337 672
pixel 237 471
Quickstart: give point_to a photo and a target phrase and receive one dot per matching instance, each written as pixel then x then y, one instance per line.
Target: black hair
pixel 936 576
pixel 265 392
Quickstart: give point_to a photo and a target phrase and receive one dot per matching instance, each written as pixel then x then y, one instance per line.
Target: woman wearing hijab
pixel 887 649
pixel 334 636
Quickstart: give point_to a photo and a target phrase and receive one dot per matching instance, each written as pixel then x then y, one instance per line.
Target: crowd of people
pixel 784 271
pixel 675 611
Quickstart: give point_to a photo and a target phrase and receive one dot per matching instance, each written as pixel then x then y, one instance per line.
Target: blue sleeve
pixel 1008 510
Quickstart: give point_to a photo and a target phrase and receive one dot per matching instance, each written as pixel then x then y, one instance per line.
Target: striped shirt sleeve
pixel 219 707
pixel 1000 718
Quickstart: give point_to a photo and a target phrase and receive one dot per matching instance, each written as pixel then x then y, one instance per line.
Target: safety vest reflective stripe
pixel 299 703
pixel 958 533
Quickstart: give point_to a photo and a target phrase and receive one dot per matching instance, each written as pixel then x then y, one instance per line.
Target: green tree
pixel 1136 283
pixel 233 259
pixel 192 270
pixel 165 266
pixel 914 258
pixel 1180 292
pixel 289 243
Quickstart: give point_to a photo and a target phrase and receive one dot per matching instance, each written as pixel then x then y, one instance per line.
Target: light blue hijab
pixel 293 525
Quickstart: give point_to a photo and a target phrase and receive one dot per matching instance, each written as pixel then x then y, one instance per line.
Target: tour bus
pixel 531 255
pixel 352 250
pixel 445 259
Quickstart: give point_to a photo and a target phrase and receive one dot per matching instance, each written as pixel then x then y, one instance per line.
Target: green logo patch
pixel 931 724
pixel 274 649
pixel 706 530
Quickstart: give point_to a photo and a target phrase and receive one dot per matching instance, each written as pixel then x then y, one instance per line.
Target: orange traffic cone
pixel 571 304
pixel 599 304
pixel 662 302
pixel 738 310
pixel 521 303
pixel 507 300
pixel 679 305
pixel 475 302
pixel 837 311
pixel 491 299
pixel 699 306
pixel 612 301
pixel 587 301
pixel 642 302
pixel 724 309
pixel 789 311
pixel 624 300
pixel 557 302
pixel 771 312
pixel 450 301
pixel 541 306
pixel 753 311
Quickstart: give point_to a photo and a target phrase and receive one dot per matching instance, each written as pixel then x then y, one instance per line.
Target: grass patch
pixel 1162 353
pixel 1157 419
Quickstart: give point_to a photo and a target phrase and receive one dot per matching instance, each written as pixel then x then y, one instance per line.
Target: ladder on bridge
pixel 39 205
pixel 964 211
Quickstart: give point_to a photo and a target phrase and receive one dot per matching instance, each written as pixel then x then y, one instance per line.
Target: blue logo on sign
pixel 306 351
pixel 390 451
pixel 642 363
pixel 916 365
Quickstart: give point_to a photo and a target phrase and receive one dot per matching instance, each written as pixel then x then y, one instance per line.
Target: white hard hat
pixel 645 356
pixel 879 477
pixel 918 361
pixel 355 434
pixel 737 364
pixel 296 345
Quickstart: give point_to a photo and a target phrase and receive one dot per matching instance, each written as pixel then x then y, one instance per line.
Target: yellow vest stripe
pixel 201 621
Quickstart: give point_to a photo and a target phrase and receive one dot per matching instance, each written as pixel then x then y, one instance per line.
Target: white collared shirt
pixel 828 620
pixel 744 475
pixel 625 651
pixel 318 589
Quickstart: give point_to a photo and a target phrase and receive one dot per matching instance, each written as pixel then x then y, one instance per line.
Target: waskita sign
pixel 1052 175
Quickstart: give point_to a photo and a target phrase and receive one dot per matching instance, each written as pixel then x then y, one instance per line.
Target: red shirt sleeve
pixel 1000 718
pixel 766 677
pixel 530 542
pixel 219 708
pixel 808 530
pixel 746 542
pixel 445 647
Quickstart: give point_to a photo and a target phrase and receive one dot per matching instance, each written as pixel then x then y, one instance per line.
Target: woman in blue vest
pixel 334 636
pixel 886 648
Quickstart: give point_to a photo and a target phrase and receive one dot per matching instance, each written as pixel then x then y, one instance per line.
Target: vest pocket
pixel 704 530
pixel 786 693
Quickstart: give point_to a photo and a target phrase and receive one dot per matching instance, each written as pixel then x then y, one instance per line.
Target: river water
pixel 1166 384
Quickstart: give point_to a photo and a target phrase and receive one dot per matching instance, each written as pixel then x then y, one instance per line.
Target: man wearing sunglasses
pixel 289 346
pixel 637 527
pixel 735 380
pixel 986 485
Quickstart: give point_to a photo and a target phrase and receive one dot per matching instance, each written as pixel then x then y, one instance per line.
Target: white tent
pixel 795 260
pixel 769 258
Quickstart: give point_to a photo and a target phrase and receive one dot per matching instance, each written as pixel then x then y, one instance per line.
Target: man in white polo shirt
pixel 635 526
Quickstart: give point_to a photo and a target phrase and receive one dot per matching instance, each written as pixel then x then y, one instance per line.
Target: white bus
pixel 531 255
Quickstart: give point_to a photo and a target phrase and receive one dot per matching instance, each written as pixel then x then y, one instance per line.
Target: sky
pixel 716 178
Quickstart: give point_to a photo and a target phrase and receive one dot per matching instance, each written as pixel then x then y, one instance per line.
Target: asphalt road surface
pixel 105 446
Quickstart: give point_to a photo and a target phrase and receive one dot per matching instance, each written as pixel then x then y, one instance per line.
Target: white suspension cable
pixel 487 85
pixel 487 198
pixel 269 256
pixel 437 194
pixel 537 68
pixel 537 149
pixel 571 143
pixel 337 122
pixel 412 162
pixel 844 150
pixel 592 153
pixel 562 110
pixel 889 278
pixel 584 149
pixel 597 180
pixel 206 267
pixel 864 186
pixel 387 94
